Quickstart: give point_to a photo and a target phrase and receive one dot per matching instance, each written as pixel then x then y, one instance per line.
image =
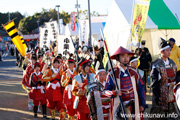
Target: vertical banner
pixel 60 43
pixel 73 21
pixel 141 9
pixel 44 38
pixel 53 30
pixel 83 31
pixel 65 45
pixel 12 32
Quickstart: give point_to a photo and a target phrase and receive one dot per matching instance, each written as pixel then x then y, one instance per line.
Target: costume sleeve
pixel 141 93
pixel 75 88
pixel 32 82
pixel 48 76
pixel 155 84
pixel 109 88
pixel 23 81
pixel 64 80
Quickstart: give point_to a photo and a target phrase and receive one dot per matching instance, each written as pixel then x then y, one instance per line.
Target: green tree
pixel 17 16
pixel 28 24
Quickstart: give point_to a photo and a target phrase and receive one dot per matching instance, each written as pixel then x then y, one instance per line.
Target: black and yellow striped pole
pixel 12 32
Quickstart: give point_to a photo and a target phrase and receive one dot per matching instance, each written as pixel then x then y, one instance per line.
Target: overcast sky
pixel 32 6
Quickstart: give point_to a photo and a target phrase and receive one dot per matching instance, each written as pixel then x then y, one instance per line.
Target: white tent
pixel 118 25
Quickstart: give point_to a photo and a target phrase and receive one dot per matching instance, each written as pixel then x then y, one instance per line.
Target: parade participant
pixel 27 59
pixel 101 77
pixel 37 93
pixel 98 58
pixel 48 57
pixel 163 76
pixel 78 89
pixel 54 92
pixel 175 55
pixel 127 81
pixel 40 59
pixel 66 81
pixel 25 81
pixel 141 87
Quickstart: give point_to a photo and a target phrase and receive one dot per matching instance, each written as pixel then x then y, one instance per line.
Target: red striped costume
pixel 68 97
pixel 37 93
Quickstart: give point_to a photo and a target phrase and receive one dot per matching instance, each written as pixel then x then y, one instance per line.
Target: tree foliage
pixel 17 16
pixel 28 24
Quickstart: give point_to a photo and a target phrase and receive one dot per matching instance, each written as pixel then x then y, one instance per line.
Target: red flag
pixel 73 21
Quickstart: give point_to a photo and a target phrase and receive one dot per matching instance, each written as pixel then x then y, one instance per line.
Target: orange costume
pixel 54 92
pixel 68 98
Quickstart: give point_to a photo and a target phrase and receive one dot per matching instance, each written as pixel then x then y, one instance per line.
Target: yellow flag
pixel 12 32
pixel 141 9
pixel 23 43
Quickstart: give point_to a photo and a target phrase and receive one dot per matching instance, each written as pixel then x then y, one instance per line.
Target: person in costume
pixel 48 57
pixel 141 86
pixel 80 81
pixel 37 93
pixel 66 81
pixel 101 77
pixel 40 59
pixel 25 81
pixel 163 76
pixel 27 60
pixel 54 91
pixel 127 81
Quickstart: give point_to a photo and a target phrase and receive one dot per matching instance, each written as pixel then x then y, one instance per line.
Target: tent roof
pixel 161 13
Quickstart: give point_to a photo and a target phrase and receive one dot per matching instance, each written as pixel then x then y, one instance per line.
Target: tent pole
pixel 132 22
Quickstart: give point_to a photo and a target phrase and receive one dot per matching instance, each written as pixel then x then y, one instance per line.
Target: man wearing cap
pixel 163 76
pixel 127 82
pixel 175 55
pixel 101 77
pixel 25 81
pixel 145 59
pixel 54 91
pixel 80 82
pixel 66 81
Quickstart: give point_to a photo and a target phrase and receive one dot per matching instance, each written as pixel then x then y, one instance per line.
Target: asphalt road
pixel 13 99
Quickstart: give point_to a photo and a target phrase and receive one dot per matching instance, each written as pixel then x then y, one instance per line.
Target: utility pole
pixel 9 15
pixel 38 24
pixel 58 18
pixel 89 13
pixel 77 5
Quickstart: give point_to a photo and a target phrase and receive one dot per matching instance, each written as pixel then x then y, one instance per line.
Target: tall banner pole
pixel 58 17
pixel 121 102
pixel 89 13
